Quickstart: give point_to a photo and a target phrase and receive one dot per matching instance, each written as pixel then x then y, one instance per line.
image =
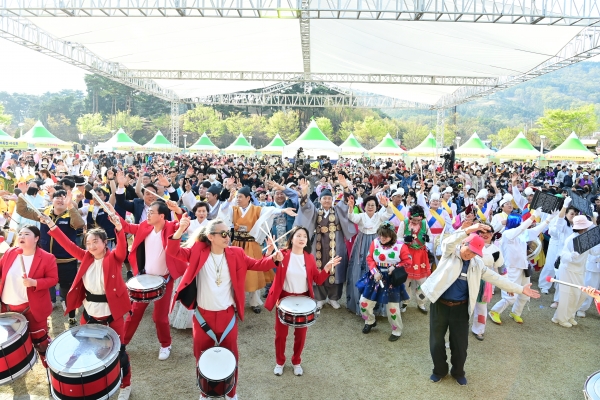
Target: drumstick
pixel 152 193
pixel 19 251
pixel 549 279
pixel 270 237
pixel 22 196
pixel 101 203
pixel 280 238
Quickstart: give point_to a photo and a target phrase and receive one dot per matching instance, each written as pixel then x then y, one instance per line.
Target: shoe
pixel 334 304
pixel 403 307
pixel 572 321
pixel 554 305
pixel 64 305
pixel 544 291
pixel 298 370
pixel 580 314
pixel 462 381
pixel 320 304
pixel 265 293
pixel 495 317
pixel 516 317
pixel 124 393
pixel 164 353
pixel 278 370
pixel 563 324
pixel 367 328
pixel 435 379
pixel 393 337
pixel 423 309
pixel 129 274
pixel 256 309
pixel 72 322
pixel 478 336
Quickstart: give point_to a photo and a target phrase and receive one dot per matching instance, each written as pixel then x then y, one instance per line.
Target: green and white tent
pixel 572 150
pixel 240 146
pixel 120 142
pixel 473 148
pixel 9 142
pixel 275 147
pixel 314 143
pixel 159 142
pixel 387 148
pixel 427 148
pixel 38 137
pixel 352 148
pixel 203 145
pixel 518 149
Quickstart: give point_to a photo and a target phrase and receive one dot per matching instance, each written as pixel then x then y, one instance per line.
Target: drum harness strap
pixel 209 331
pixel 96 298
pixel 91 320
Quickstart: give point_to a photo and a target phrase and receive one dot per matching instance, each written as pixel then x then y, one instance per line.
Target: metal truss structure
pixel 175 123
pixel 528 12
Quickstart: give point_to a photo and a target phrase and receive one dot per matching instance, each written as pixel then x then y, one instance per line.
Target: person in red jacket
pixel 213 285
pixel 99 285
pixel 295 277
pixel 29 294
pixel 148 256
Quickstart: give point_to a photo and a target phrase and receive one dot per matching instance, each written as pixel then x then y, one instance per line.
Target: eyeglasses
pixel 223 234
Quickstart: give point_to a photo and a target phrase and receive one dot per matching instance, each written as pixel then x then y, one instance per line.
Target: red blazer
pixel 114 286
pixel 312 275
pixel 44 271
pixel 141 232
pixel 237 261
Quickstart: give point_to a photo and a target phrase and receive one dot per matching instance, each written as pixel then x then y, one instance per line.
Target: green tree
pixel 372 129
pixel 59 125
pixel 4 118
pixel 414 134
pixel 129 123
pixel 92 126
pixel 346 128
pixel 284 123
pixel 558 124
pixel 325 126
pixel 203 119
pixel 504 136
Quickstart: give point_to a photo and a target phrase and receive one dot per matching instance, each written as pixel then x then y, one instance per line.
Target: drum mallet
pixel 550 279
pixel 154 194
pixel 21 196
pixel 19 251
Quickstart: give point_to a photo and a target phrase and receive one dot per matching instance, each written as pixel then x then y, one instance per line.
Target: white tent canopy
pixel 314 143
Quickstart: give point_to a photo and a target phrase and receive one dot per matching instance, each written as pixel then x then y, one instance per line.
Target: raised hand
pixel 122 180
pixel 384 201
pixel 163 180
pixel 351 203
pixel 289 211
pixel 184 223
pixel 173 206
pixel 44 219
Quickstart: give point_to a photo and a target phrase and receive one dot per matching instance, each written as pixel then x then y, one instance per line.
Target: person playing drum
pixel 295 277
pixel 27 293
pixel 99 285
pixel 213 285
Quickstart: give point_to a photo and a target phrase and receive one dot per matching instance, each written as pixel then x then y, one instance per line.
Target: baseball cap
pixel 475 243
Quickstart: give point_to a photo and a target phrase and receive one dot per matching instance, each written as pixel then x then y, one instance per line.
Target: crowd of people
pixel 223 229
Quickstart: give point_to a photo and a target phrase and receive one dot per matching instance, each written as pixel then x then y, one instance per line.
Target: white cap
pixel 505 199
pixel 399 192
pixel 448 190
pixel 528 191
pixel 434 196
pixel 483 194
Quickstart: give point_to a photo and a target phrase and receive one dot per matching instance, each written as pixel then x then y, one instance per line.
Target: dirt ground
pixel 536 360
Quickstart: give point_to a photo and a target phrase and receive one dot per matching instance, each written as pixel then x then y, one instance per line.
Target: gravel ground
pixel 536 360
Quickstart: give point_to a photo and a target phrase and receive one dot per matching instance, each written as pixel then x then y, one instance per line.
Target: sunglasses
pixel 223 234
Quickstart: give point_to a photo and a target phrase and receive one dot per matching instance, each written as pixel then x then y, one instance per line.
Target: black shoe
pixel 367 328
pixel 72 322
pixel 393 338
pixel 478 336
pixel 265 293
pixel 129 274
pixel 256 310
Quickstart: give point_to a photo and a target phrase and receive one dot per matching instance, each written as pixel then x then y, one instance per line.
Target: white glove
pixel 567 202
pixel 538 212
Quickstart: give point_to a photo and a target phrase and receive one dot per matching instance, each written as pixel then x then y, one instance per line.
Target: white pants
pixel 254 299
pixel 392 311
pixel 413 287
pixel 556 285
pixel 570 298
pixel 591 279
pixel 479 318
pixel 518 301
pixel 547 271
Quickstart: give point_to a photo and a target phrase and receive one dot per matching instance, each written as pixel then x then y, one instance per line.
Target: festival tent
pixel 571 149
pixel 275 147
pixel 119 142
pixel 427 148
pixel 473 148
pixel 240 146
pixel 203 145
pixel 387 148
pixel 518 149
pixel 8 142
pixel 352 148
pixel 38 137
pixel 159 142
pixel 314 143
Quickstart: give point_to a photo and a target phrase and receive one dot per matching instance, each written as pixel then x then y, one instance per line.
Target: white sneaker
pixel 564 324
pixel 544 291
pixel 334 304
pixel 554 305
pixel 278 370
pixel 573 322
pixel 298 370
pixel 320 304
pixel 164 353
pixel 124 393
pixel 580 314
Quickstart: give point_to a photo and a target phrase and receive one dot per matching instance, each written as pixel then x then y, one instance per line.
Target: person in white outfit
pixel 592 279
pixel 572 270
pixel 499 220
pixel 513 246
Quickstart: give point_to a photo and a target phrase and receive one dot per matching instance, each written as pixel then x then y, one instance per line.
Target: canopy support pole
pixel 175 124
pixel 439 137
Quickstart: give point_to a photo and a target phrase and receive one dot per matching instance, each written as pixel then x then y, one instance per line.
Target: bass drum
pixel 533 248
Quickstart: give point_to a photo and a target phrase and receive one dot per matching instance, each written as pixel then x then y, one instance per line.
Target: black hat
pixel 246 191
pixel 207 184
pixel 214 189
pixel 325 192
pixel 79 180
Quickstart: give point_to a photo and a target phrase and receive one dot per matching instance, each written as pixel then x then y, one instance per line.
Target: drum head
pixel 12 326
pixel 298 304
pixel 216 364
pixel 142 282
pixel 592 387
pixel 83 350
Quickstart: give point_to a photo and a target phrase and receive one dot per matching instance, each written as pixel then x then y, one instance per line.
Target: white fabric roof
pixel 424 48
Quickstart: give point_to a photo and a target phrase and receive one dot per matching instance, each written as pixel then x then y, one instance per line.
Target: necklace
pixel 218 268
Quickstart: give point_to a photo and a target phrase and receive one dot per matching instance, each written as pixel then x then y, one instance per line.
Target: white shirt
pixel 211 296
pixel 93 281
pixel 295 277
pixel 369 225
pixel 15 292
pixel 156 259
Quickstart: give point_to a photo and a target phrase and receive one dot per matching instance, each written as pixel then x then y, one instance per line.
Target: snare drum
pixel 216 372
pixel 297 311
pixel 146 288
pixel 83 363
pixel 17 355
pixel 591 389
